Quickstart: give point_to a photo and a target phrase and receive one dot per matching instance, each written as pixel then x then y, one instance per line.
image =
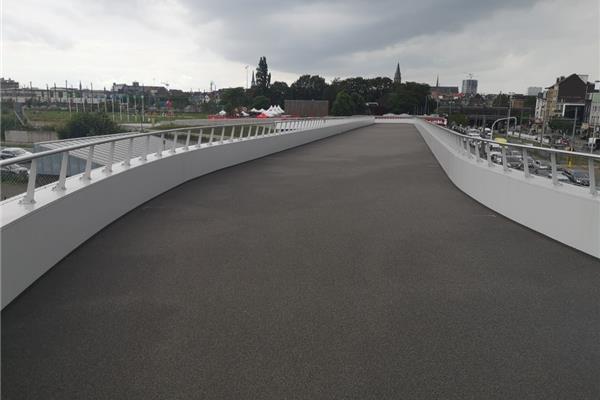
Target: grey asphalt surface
pixel 350 268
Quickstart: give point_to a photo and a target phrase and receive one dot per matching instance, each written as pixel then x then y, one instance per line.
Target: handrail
pixel 128 135
pixel 478 141
pixel 522 146
pixel 217 137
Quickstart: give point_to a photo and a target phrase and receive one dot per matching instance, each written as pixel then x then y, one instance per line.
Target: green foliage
pixel 308 87
pixel 260 102
pixel 343 104
pixel 560 125
pixel 409 97
pixel 458 119
pixel 263 77
pixel 358 103
pixel 501 100
pixel 279 92
pixel 88 124
pixel 236 97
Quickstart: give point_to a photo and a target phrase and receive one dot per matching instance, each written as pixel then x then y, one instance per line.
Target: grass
pixel 52 119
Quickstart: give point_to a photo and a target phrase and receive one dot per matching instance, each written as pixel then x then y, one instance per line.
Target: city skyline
pixel 188 44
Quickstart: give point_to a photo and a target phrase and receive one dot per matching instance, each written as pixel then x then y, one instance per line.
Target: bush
pixel 88 124
pixel 260 102
pixel 343 104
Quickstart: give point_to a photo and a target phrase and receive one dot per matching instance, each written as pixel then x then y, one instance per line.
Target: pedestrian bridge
pixel 350 267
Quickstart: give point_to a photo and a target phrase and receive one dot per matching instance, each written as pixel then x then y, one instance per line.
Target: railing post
pixel 232 136
pixel 488 155
pixel 144 156
pixel 222 133
pixel 504 162
pixel 477 155
pixel 199 142
pixel 262 132
pixel 256 131
pixel 241 131
pixel 161 145
pixel 212 135
pixel 88 165
pixel 525 164
pixel 554 169
pixel 174 145
pixel 111 155
pixel 63 172
pixel 592 173
pixel 187 140
pixel 127 161
pixel 29 197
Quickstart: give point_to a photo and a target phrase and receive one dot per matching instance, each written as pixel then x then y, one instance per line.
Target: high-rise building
pixel 469 86
pixel 533 90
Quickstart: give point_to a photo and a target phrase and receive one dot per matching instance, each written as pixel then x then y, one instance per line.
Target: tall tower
pixel 397 75
pixel 437 81
pixel 253 80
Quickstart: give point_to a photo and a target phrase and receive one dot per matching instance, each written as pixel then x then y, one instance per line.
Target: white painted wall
pixel 567 213
pixel 36 237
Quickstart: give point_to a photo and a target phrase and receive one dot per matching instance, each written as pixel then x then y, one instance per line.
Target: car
pixel 541 165
pixel 14 172
pixel 12 152
pixel 543 173
pixel 578 177
pixel 563 178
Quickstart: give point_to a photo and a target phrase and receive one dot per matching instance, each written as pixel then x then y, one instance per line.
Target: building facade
pixel 469 87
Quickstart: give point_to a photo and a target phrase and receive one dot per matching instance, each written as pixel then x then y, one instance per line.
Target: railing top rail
pixel 520 146
pixel 126 136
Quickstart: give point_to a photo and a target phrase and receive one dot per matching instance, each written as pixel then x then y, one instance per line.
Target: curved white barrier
pixel 35 237
pixel 567 213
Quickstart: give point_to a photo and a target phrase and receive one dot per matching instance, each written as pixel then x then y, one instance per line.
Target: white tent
pixel 222 112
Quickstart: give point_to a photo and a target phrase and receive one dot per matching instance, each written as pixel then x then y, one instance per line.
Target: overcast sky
pixel 507 45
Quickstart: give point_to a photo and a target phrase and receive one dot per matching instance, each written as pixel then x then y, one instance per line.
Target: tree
pixel 409 97
pixel 279 92
pixel 236 97
pixel 263 77
pixel 501 100
pixel 260 102
pixel 358 103
pixel 343 104
pixel 458 119
pixel 308 87
pixel 561 125
pixel 88 124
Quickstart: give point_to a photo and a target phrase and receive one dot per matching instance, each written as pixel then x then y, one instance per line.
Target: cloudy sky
pixel 507 45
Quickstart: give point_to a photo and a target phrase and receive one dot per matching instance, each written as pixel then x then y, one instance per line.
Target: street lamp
pixel 498 120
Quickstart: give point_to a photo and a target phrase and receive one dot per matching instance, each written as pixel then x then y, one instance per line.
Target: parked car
pixel 12 152
pixel 14 173
pixel 578 177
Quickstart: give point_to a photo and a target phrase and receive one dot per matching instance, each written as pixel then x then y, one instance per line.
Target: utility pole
pixel 509 106
pixel 68 98
pixel 574 125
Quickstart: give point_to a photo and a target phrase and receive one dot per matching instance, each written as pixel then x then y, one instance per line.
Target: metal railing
pixel 480 149
pixel 163 143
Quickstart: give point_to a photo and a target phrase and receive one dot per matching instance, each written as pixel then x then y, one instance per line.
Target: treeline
pixel 346 96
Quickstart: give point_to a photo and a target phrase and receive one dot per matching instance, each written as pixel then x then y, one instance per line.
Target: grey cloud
pixel 252 29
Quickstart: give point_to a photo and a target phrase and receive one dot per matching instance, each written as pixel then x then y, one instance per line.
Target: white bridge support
pixel 36 236
pixel 567 213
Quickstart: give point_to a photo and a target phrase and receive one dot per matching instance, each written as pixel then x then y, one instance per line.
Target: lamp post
pixel 498 120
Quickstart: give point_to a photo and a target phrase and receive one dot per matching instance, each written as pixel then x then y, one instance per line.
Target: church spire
pixel 398 75
pixel 437 81
pixel 253 80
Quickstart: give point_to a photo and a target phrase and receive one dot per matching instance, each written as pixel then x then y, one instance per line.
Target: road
pixel 349 268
